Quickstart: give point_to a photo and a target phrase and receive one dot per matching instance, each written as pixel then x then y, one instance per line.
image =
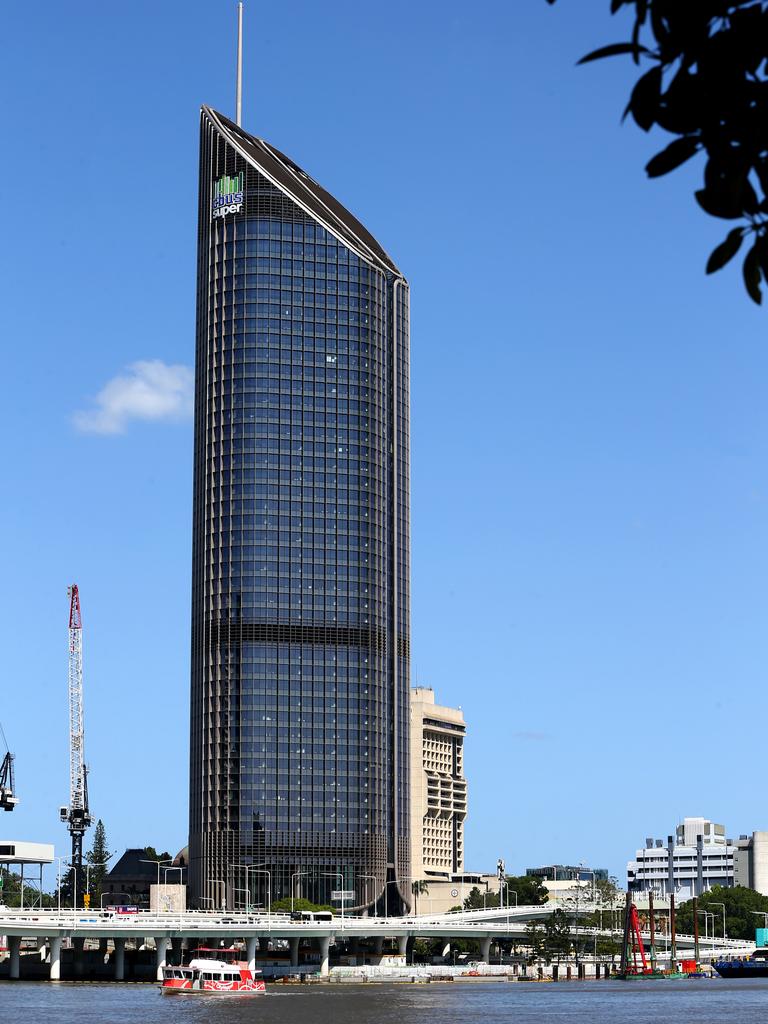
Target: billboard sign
pixel 228 195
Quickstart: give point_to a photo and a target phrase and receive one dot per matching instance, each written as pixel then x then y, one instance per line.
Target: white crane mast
pixel 77 816
pixel 76 737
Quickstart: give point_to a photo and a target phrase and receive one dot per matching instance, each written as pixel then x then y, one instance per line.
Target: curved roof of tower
pixel 303 190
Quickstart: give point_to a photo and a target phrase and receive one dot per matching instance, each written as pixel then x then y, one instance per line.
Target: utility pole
pixel 77 816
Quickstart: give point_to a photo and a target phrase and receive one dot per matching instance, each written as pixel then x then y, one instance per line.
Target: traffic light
pixel 86 899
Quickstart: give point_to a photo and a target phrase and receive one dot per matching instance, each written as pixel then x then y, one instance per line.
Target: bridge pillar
pixel 402 944
pixel 250 953
pixel 294 946
pixel 378 945
pixel 120 959
pixel 55 958
pixel 14 945
pixel 161 948
pixel 325 966
pixel 485 950
pixel 78 955
pixel 446 949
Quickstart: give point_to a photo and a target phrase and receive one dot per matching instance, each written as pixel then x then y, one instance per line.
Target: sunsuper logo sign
pixel 227 195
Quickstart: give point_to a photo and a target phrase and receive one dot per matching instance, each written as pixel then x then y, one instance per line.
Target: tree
pixel 558 934
pixel 477 900
pixel 607 892
pixel 739 904
pixel 535 938
pixel 530 890
pixel 10 892
pixel 608 898
pixel 608 946
pixel 286 905
pixel 707 86
pixel 97 856
pixel 152 854
pixel 419 887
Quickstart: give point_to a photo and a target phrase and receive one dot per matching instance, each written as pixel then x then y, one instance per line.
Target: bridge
pixel 171 930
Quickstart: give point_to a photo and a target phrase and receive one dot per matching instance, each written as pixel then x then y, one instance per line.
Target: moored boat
pixel 210 972
pixel 754 966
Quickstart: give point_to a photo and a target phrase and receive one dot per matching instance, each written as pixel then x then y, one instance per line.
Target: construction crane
pixel 8 798
pixel 77 816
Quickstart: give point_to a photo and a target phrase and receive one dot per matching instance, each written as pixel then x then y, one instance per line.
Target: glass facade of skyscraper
pixel 300 605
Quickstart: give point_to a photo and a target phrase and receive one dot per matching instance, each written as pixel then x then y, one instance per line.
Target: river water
pixel 604 1002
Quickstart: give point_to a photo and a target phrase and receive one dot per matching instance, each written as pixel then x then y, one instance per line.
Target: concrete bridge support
pixel 325 964
pixel 250 953
pixel 378 945
pixel 119 959
pixel 294 947
pixel 14 945
pixel 485 950
pixel 161 947
pixel 402 944
pixel 446 951
pixel 55 959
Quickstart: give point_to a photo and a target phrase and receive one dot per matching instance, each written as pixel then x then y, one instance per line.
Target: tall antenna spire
pixel 239 86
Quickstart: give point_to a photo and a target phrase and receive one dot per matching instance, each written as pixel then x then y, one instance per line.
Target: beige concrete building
pixel 751 862
pixel 438 788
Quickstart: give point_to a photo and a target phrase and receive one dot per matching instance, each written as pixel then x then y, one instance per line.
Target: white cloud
pixel 147 390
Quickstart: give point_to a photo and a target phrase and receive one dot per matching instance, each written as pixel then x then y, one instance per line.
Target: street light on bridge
pixel 712 903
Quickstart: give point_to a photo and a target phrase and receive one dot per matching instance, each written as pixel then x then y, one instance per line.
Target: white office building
pixel 696 858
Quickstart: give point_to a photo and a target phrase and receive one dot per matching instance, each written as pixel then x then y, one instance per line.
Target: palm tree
pixel 419 888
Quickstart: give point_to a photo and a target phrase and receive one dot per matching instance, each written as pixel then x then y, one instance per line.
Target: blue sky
pixel 589 416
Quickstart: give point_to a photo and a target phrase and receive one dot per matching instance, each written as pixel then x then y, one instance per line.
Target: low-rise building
pixel 560 880
pixel 567 873
pixel 134 874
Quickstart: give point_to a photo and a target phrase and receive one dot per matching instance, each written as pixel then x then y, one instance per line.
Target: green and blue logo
pixel 228 195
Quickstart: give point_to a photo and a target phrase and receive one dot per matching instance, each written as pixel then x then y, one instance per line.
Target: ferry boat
pixel 211 974
pixel 755 966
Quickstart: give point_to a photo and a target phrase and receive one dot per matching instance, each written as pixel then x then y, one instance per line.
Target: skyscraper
pixel 300 597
